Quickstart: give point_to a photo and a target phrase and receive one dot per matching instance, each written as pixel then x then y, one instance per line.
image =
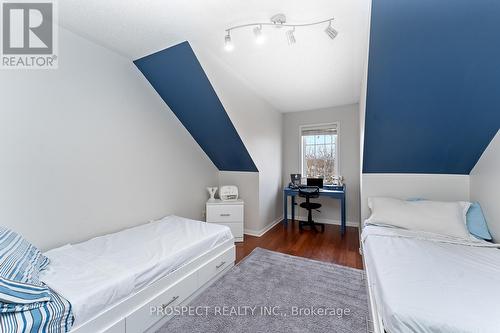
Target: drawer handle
pixel 170 302
pixel 220 265
pixel 225 214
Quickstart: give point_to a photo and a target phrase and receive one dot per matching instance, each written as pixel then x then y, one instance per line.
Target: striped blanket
pixel 26 304
pixel 55 316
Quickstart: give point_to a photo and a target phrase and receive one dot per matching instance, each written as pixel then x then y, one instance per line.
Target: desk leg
pixel 343 216
pixel 293 208
pixel 285 210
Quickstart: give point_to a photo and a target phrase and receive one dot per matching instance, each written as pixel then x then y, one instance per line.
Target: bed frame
pixel 378 326
pixel 133 315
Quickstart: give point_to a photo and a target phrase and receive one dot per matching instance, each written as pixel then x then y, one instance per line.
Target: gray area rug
pixel 275 292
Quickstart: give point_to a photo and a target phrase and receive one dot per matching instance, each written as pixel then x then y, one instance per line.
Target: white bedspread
pixel 101 272
pixel 428 283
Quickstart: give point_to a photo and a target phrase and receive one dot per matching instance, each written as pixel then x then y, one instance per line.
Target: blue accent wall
pixel 179 79
pixel 433 98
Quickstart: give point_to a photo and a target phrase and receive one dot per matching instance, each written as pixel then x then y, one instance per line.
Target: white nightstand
pixel 229 213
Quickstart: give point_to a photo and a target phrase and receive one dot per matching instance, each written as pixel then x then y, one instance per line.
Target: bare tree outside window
pixel 319 153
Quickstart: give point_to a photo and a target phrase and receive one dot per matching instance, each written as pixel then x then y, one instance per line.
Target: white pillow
pixel 445 218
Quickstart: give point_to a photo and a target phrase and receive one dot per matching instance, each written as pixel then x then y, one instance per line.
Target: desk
pixel 335 194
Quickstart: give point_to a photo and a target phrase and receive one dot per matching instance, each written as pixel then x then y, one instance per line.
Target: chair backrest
pixel 309 192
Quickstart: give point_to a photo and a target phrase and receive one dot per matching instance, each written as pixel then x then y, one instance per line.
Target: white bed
pixel 104 271
pixel 421 282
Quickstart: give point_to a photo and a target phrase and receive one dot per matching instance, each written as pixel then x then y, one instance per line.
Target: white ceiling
pixel 314 73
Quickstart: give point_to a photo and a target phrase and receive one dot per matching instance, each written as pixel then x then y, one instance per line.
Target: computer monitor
pixel 315 182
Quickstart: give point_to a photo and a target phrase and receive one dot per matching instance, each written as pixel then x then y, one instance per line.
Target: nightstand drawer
pixel 224 213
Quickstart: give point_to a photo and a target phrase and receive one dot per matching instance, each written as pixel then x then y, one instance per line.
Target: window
pixel 319 147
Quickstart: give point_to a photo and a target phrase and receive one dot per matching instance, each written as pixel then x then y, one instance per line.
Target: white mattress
pixel 426 283
pixel 101 272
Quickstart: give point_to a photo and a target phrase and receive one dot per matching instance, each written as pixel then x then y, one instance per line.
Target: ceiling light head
pixel 259 37
pixel 290 37
pixel 228 43
pixel 278 20
pixel 330 31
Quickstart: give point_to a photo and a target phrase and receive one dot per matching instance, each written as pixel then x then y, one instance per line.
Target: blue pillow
pixel 43 262
pixel 19 260
pixel 476 223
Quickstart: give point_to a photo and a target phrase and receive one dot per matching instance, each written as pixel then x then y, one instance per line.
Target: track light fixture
pixel 277 21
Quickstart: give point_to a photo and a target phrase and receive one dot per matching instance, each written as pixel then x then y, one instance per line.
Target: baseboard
pixel 329 221
pixel 259 233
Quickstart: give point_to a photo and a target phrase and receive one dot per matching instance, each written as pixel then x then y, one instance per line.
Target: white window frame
pixel 337 146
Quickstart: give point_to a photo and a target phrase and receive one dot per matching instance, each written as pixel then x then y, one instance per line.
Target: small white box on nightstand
pixel 229 213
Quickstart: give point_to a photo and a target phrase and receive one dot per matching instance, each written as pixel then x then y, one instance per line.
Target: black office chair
pixel 310 193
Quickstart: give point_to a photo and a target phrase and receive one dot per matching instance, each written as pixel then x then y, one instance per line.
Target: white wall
pixel 404 186
pixel 348 117
pixel 484 185
pixel 260 127
pixel 90 148
pixel 248 190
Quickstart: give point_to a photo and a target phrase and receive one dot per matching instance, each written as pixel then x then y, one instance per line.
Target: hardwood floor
pixel 327 246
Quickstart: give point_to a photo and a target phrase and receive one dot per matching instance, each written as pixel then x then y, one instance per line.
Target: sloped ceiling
pixel 316 72
pixel 433 99
pixel 179 79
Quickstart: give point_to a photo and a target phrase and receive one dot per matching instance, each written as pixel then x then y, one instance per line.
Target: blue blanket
pixel 55 316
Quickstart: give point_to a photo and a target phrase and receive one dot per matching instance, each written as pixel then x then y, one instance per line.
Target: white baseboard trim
pixel 259 233
pixel 329 221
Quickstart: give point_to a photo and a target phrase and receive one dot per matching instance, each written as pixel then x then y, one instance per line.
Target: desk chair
pixel 310 193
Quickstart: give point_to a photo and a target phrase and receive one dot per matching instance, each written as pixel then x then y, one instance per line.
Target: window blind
pixel 327 130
